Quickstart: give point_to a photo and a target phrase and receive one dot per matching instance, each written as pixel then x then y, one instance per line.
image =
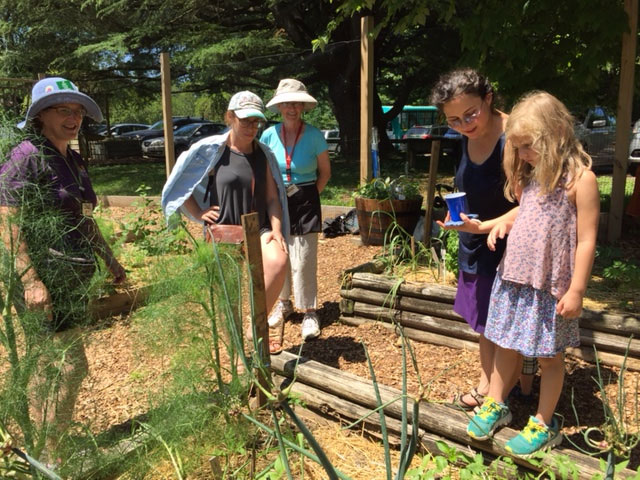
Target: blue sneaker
pixel 491 415
pixel 534 437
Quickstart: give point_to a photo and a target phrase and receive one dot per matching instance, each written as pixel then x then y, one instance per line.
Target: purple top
pixel 541 247
pixel 64 179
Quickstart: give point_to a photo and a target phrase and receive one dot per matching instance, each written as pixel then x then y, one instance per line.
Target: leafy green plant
pixel 399 188
pixel 142 227
pixel 624 274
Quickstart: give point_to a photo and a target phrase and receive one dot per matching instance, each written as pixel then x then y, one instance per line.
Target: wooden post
pixel 625 99
pixel 167 120
pixel 431 190
pixel 366 97
pixel 253 254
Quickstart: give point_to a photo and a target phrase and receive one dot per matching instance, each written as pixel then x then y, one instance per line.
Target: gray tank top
pixel 238 186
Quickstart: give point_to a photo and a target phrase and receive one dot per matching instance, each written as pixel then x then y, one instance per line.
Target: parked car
pixel 333 140
pixel 119 129
pixel 634 149
pixel 420 137
pixel 596 129
pixel 157 129
pixel 183 138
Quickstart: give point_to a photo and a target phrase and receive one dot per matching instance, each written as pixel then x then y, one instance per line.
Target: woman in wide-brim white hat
pixel 303 158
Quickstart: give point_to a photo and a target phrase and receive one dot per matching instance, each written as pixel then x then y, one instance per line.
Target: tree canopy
pixel 111 47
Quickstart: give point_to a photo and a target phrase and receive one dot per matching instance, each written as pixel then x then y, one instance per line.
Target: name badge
pixel 87 209
pixel 292 190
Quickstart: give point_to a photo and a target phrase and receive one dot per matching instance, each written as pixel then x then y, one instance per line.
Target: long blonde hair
pixel 545 120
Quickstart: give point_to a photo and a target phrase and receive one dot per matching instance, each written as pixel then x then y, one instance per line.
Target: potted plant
pixel 384 204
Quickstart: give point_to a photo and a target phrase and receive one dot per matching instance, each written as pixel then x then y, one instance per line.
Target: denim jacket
pixel 191 173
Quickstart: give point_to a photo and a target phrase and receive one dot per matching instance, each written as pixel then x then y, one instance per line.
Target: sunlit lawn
pixel 126 179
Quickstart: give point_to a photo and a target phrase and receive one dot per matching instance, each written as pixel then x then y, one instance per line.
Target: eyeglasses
pixel 292 104
pixel 251 122
pixel 66 112
pixel 467 118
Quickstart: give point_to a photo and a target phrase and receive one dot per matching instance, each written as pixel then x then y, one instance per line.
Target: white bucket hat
pixel 291 90
pixel 247 104
pixel 52 91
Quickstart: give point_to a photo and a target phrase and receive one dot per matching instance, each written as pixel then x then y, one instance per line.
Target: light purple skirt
pixel 472 299
pixel 524 319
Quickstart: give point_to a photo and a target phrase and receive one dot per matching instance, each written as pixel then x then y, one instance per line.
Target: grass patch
pixel 605 185
pixel 345 176
pixel 125 179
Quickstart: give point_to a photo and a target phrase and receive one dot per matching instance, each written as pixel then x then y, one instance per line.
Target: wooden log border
pixel 348 396
pixel 426 313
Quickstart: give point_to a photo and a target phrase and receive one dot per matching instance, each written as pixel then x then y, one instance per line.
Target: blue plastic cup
pixel 455 203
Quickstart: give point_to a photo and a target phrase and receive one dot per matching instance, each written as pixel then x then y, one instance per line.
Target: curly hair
pixel 542 118
pixel 459 82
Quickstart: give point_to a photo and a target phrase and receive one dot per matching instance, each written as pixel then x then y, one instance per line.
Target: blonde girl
pixel 537 295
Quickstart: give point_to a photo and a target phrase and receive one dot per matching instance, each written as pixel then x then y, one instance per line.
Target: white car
pixel 634 148
pixel 333 140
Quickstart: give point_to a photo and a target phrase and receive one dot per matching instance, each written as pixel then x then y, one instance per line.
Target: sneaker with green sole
pixel 534 437
pixel 491 415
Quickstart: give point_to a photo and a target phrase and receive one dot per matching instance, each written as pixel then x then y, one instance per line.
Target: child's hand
pixel 570 305
pixel 497 232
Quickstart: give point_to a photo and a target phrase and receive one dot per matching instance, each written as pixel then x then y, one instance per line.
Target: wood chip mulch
pixel 113 392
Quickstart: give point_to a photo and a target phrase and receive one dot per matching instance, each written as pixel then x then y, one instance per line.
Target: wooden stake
pixel 253 254
pixel 366 97
pixel 625 100
pixel 167 115
pixel 431 190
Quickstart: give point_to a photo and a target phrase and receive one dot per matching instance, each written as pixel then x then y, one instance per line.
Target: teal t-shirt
pixel 304 163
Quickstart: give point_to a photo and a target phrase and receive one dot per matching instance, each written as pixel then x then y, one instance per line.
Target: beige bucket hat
pixel 291 90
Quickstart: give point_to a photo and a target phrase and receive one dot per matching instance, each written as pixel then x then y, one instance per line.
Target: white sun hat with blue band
pixel 52 91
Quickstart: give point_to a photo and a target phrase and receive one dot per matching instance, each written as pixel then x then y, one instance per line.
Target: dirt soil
pixel 111 395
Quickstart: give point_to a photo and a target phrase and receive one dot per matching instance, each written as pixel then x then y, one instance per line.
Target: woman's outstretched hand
pixel 471 225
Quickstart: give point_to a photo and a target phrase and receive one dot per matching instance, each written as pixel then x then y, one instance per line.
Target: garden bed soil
pixel 116 388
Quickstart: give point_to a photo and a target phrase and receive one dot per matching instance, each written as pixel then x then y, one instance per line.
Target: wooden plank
pixel 431 190
pixel 411 304
pixel 167 115
pixel 625 324
pixel 325 404
pixel 584 352
pixel 418 321
pixel 610 342
pixel 366 96
pixel 611 322
pixel 416 334
pixel 386 283
pixel 613 359
pixel 253 254
pixel 623 118
pixel 434 418
pixel 125 201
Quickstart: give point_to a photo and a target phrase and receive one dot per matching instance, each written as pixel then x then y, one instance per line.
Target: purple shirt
pixel 64 181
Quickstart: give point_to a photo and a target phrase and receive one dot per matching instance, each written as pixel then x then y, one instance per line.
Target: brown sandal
pixel 458 401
